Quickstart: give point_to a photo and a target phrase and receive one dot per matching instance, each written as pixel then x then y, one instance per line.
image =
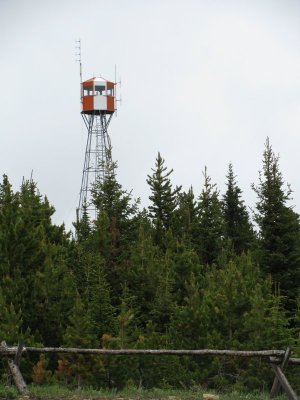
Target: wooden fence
pixel 278 359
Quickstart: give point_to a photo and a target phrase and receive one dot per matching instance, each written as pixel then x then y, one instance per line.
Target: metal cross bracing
pixel 97 154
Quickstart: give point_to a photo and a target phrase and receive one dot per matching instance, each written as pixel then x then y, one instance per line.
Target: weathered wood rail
pixel 278 359
pixel 203 352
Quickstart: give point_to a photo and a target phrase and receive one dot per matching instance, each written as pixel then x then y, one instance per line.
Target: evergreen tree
pixel 190 322
pixel 116 227
pixel 279 227
pixel 41 252
pixel 98 299
pixel 126 317
pixel 266 314
pixel 186 265
pixel 185 215
pixel 30 246
pixel 240 312
pixel 208 230
pixel 83 226
pixel 163 198
pixel 11 245
pixel 163 303
pixel 11 323
pixel 111 198
pixel 51 299
pixel 237 226
pixel 183 263
pixel 142 274
pixel 79 334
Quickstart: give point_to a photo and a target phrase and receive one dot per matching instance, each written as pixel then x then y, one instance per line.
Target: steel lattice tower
pixel 98 107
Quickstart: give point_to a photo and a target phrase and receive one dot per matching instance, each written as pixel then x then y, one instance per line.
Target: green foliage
pixel 237 226
pixel 111 198
pixel 180 274
pixel 209 227
pixel 116 227
pixel 143 273
pixel 185 215
pixel 11 323
pixel 83 225
pixel 163 303
pixel 99 304
pixel 279 238
pixel 129 392
pixel 79 333
pixel 33 278
pixel 163 199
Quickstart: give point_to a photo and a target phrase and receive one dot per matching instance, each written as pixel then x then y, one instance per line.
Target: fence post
pixel 276 384
pixel 284 383
pixel 15 371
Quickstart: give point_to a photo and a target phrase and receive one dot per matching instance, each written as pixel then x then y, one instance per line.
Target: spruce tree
pixel 33 253
pixel 185 215
pixel 42 253
pixel 83 226
pixel 51 299
pixel 111 198
pixel 279 229
pixel 186 265
pixel 11 323
pixel 237 226
pixel 163 303
pixel 116 227
pixel 97 296
pixel 79 334
pixel 143 272
pixel 190 321
pixel 11 246
pixel 209 227
pixel 163 198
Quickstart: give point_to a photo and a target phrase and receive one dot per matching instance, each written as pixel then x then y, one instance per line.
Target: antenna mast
pixel 78 59
pixel 118 100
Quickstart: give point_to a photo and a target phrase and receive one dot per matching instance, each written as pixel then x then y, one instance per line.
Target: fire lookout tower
pixel 98 106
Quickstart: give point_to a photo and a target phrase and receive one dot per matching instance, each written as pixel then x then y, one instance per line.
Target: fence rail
pixel 274 357
pixel 6 350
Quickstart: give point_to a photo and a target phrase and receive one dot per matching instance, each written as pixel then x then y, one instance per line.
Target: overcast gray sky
pixel 203 82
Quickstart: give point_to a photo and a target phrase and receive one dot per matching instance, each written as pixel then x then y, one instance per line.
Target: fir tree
pixel 163 303
pixel 279 229
pixel 142 275
pixel 208 230
pixel 237 226
pixel 111 198
pixel 11 323
pixel 190 322
pixel 79 334
pixel 186 265
pixel 41 252
pixel 11 245
pixel 83 226
pixel 163 198
pixel 30 245
pixel 116 227
pixel 98 297
pixel 52 298
pixel 185 215
pixel 125 317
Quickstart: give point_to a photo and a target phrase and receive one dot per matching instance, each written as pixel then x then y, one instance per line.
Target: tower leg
pixel 97 155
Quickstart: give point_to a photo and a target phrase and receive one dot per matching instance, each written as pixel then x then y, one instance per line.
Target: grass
pixel 63 393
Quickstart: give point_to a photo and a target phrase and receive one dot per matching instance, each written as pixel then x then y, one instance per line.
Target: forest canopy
pixel 186 273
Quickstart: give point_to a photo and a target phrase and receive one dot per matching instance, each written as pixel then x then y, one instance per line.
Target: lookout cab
pixel 98 96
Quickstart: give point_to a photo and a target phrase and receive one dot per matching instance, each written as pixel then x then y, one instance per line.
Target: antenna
pixel 116 88
pixel 116 85
pixel 78 59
